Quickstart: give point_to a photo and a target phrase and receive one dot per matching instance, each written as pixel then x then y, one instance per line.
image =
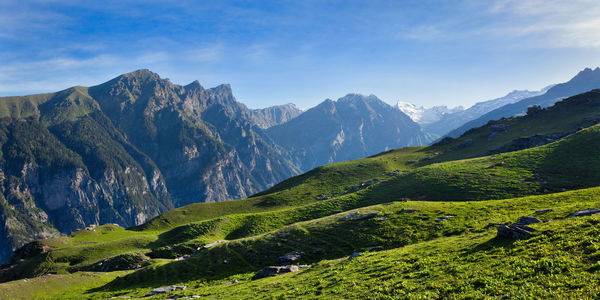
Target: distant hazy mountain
pixel 274 115
pixel 422 115
pixel 584 81
pixel 454 120
pixel 352 127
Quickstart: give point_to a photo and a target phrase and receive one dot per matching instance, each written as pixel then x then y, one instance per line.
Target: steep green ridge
pixel 584 81
pixel 537 128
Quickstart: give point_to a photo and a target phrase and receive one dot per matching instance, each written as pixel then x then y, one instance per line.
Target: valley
pixel 420 221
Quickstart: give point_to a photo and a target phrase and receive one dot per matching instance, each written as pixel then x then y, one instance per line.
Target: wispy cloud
pixel 551 23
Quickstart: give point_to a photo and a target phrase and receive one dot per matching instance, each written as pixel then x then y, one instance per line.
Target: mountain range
pixel 584 81
pixel 423 115
pixel 354 126
pixel 508 209
pixel 138 145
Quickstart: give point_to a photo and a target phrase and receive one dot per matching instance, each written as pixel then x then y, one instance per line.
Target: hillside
pixel 417 208
pixel 584 81
pixel 536 128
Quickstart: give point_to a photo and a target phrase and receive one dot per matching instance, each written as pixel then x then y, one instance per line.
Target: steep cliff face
pixel 203 140
pixel 274 115
pixel 352 127
pixel 67 176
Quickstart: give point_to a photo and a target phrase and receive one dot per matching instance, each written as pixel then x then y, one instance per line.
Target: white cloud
pixel 551 23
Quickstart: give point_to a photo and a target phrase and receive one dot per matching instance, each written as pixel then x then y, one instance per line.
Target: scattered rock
pixel 162 290
pixel 354 255
pixel 367 216
pixel 289 258
pixel 232 282
pixel 381 218
pixel 276 270
pixel 441 220
pixel 542 211
pixel 130 261
pixel 585 212
pixel 349 216
pixel 225 261
pixel 408 211
pixel 395 172
pixel 212 244
pixel 526 220
pixel 514 231
pixel 323 196
pixel 182 257
pixel 91 227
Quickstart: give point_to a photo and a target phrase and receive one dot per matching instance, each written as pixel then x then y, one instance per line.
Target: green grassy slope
pixel 406 255
pixel 515 133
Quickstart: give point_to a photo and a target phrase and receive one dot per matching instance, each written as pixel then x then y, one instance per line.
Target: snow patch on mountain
pixel 423 115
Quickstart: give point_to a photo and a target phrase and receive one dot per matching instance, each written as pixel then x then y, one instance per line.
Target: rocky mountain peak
pixel 194 85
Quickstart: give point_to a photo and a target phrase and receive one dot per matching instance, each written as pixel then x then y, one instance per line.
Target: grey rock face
pixel 290 258
pixel 514 231
pixel 585 212
pixel 276 270
pixel 352 127
pixel 526 220
pixel 274 115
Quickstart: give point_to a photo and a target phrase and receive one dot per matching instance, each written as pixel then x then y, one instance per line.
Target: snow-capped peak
pixel 423 115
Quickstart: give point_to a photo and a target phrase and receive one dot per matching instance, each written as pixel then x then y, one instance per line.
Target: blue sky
pixel 453 52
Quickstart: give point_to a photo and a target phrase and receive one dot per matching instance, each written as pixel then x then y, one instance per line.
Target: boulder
pixel 526 220
pixel 585 212
pixel 289 258
pixel 162 290
pixel 514 232
pixel 367 216
pixel 354 255
pixel 130 261
pixel 349 216
pixel 212 244
pixel 276 270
